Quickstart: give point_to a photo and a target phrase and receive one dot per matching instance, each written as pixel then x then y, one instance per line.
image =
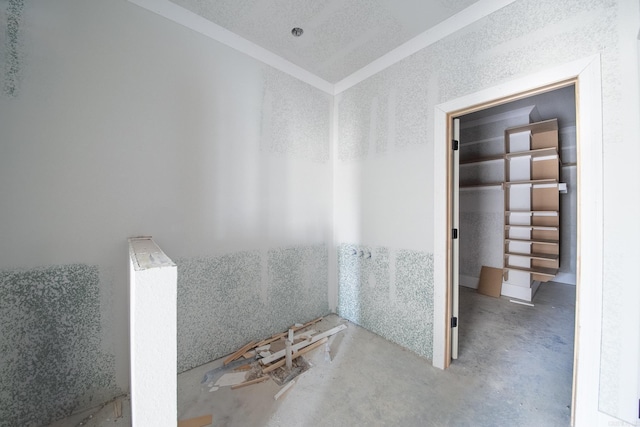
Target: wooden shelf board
pixel 533 213
pixel 482 159
pixel 533 182
pixel 534 241
pixel 540 152
pixel 545 125
pixel 550 272
pixel 545 257
pixel 532 227
pixel 486 185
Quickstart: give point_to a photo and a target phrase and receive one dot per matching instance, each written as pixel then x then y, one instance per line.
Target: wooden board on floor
pixel 202 421
pixel 490 281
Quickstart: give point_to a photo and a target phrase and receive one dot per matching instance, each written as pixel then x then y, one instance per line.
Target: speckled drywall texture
pixel 296 118
pixel 51 356
pixel 394 302
pixel 382 115
pixel 12 57
pixel 481 173
pixel 522 38
pixel 484 54
pixel 228 300
pixel 298 284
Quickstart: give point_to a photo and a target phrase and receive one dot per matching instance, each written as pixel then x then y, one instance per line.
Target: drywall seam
pixel 333 258
pixel 191 20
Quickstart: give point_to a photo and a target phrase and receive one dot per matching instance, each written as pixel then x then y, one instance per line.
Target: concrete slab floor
pixel 514 368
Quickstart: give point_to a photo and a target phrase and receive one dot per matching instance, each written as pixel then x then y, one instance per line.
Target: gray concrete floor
pixel 514 369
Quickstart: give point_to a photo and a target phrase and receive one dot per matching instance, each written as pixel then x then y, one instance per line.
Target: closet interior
pixel 518 193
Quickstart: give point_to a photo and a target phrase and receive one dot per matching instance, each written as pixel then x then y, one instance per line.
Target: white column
pixel 152 334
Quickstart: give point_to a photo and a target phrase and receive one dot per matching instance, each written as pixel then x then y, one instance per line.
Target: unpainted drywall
pixel 524 37
pixel 11 50
pixel 481 241
pixel 290 120
pixel 389 292
pixel 126 124
pixel 53 354
pixel 226 301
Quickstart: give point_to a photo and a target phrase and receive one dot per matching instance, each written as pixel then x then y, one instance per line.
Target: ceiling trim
pixel 195 22
pixel 447 27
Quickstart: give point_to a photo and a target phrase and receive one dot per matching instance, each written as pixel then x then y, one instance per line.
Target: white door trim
pixel 590 218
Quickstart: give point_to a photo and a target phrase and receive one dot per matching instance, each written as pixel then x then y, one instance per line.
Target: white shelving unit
pixel 532 208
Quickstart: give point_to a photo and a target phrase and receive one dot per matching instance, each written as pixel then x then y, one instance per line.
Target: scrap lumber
pixel 288 352
pixel 276 337
pixel 246 383
pixel 231 379
pixel 270 340
pixel 295 355
pixel 279 354
pixel 243 368
pixel 239 353
pixel 284 390
pixel 309 323
pixel 117 408
pixel 202 421
pixel 304 335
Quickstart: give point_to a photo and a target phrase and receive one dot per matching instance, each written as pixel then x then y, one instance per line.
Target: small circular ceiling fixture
pixel 297 32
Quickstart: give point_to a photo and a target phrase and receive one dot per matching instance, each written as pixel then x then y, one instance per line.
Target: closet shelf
pixel 481 186
pixel 543 126
pixel 540 152
pixel 544 257
pixel 534 241
pixel 533 213
pixel 482 159
pixel 550 272
pixel 531 227
pixel 531 182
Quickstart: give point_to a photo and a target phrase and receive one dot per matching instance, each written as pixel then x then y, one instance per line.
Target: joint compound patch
pixel 12 16
pixel 52 361
pixel 296 118
pixel 221 303
pixel 364 286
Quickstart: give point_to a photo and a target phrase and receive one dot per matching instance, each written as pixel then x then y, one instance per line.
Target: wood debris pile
pixel 277 358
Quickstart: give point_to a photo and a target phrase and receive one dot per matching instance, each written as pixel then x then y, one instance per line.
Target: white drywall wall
pixel 124 123
pixel 488 53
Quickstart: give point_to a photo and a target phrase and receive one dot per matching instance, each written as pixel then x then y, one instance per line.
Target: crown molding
pixel 195 22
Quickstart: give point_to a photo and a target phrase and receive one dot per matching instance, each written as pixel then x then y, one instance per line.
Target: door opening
pixel 585 75
pixel 514 259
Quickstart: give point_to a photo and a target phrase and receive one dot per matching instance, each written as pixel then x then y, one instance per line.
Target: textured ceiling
pixel 340 36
